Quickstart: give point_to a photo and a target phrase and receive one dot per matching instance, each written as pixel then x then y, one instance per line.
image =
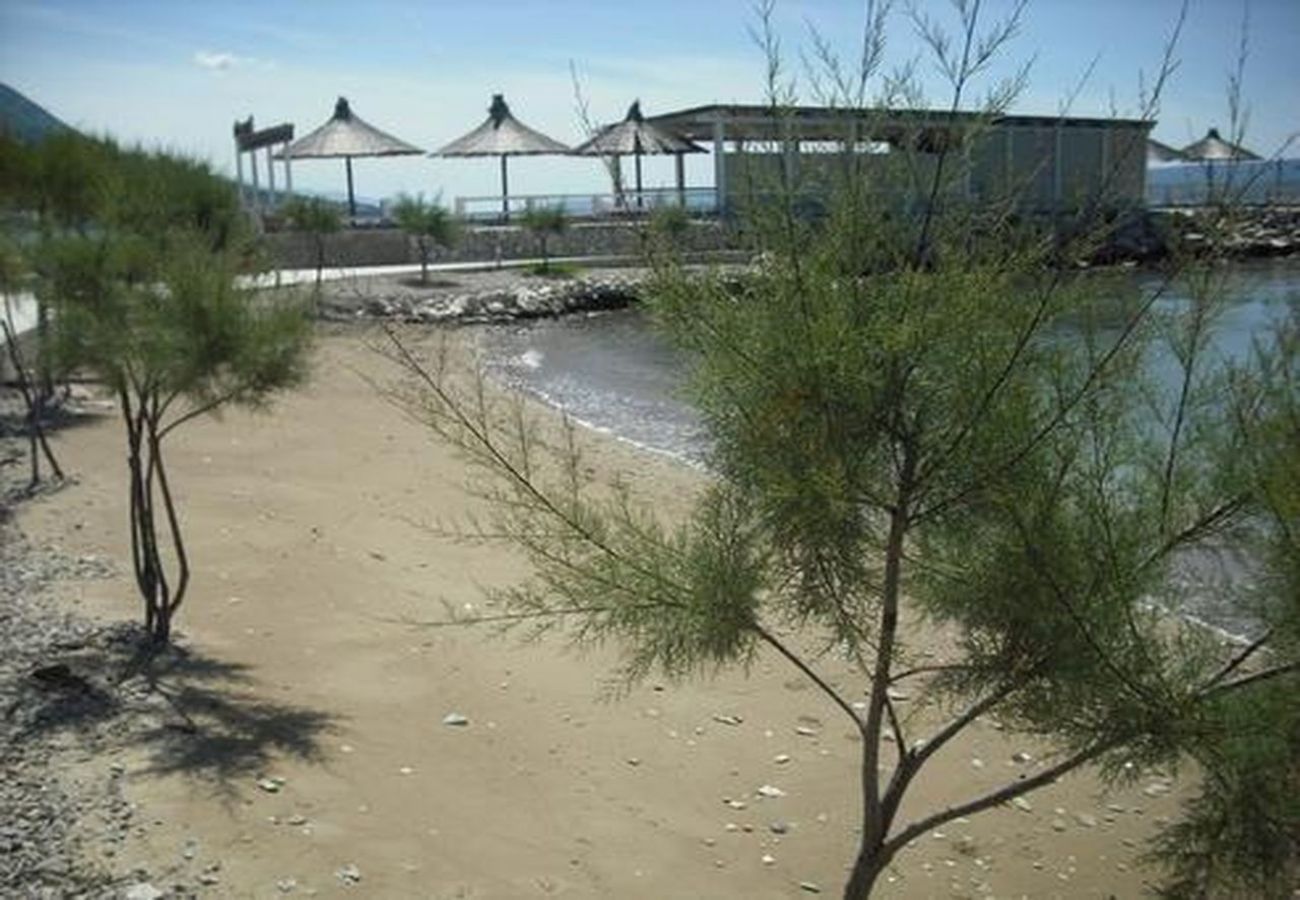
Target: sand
pixel 310 564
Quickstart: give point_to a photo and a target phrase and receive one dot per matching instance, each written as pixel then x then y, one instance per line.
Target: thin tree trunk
pixel 174 526
pixel 870 862
pixel 35 404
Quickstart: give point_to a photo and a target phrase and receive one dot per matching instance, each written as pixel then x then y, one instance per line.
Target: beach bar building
pixel 1046 163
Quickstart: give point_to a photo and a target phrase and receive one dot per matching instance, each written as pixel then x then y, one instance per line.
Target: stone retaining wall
pixel 390 246
pixel 1256 232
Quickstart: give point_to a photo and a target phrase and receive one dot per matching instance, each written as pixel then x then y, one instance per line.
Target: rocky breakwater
pixel 524 297
pixel 1241 233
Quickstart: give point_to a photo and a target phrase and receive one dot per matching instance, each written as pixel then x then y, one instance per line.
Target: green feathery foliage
pixel 142 285
pixel 543 222
pixel 316 217
pixel 924 419
pixel 430 223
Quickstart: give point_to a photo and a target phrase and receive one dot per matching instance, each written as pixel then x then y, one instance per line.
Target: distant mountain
pixel 24 119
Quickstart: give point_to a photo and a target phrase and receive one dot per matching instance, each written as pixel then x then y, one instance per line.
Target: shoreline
pixel 305 585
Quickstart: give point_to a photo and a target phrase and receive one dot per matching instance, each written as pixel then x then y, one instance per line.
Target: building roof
pixel 1213 146
pixel 763 122
pixel 502 135
pixel 346 134
pixel 636 135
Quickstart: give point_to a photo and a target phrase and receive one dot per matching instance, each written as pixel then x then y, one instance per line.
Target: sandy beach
pixel 321 765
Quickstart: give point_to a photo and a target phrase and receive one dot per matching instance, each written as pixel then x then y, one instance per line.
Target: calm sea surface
pixel 613 373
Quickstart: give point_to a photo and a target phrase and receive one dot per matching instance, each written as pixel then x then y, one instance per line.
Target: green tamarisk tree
pixel 430 223
pixel 317 218
pixel 940 452
pixel 147 298
pixel 544 222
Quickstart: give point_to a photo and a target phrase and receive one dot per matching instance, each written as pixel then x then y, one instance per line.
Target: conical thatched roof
pixel 634 135
pixel 1213 146
pixel 502 135
pixel 347 135
pixel 1162 153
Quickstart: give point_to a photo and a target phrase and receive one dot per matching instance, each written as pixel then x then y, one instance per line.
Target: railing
pixel 698 201
pixel 1248 182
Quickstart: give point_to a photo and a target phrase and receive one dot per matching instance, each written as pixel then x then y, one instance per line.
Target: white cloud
pixel 220 62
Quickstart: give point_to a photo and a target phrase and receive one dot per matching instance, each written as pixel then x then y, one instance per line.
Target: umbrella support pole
pixel 681 180
pixel 352 200
pixel 505 190
pixel 639 200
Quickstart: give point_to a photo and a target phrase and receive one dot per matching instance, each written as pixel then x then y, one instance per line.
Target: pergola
pixel 925 130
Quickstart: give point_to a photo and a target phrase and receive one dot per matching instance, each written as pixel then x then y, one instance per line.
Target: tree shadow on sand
pixel 192 714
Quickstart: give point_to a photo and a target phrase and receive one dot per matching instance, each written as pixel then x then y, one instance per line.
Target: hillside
pixel 25 119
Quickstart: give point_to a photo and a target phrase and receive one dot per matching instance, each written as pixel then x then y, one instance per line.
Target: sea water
pixel 612 372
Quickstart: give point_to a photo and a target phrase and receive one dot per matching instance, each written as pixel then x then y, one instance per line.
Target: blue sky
pixel 177 74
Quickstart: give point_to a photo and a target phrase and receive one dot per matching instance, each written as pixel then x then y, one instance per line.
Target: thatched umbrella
pixel 634 136
pixel 1162 153
pixel 1214 147
pixel 503 135
pixel 346 135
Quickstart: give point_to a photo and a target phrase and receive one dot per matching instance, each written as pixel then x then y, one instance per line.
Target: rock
pixel 727 719
pixel 768 859
pixel 779 827
pixel 1022 804
pixel 348 874
pixel 297 819
pixel 736 804
pixel 781 759
pixel 286 885
pixel 633 761
pixel 144 891
pixel 770 791
pixel 270 785
pixel 1059 825
pixel 1021 757
pixel 1086 820
pixel 805 731
pixel 455 719
pixel 810 887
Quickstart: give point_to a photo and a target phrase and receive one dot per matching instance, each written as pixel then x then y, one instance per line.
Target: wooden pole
pixel 719 167
pixel 681 180
pixel 505 190
pixel 257 193
pixel 637 155
pixel 239 173
pixel 288 171
pixel 352 200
